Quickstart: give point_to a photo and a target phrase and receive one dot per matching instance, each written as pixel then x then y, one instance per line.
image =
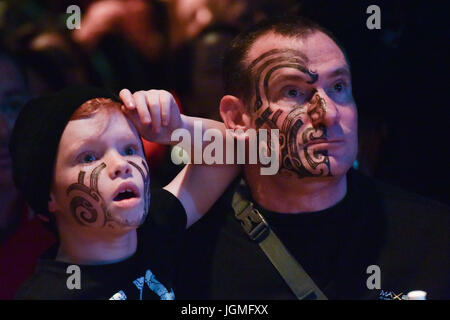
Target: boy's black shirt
pixel 146 275
pixel 407 236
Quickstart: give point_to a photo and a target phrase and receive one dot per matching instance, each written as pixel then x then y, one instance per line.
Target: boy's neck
pixel 93 250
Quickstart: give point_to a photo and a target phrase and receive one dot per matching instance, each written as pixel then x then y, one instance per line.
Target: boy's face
pixel 101 178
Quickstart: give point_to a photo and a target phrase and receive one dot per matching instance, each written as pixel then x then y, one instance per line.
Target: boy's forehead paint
pixel 273 60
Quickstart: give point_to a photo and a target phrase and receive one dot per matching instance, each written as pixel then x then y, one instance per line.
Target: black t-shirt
pixel 405 235
pixel 146 275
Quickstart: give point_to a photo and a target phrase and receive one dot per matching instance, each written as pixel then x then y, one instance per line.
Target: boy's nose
pixel 118 166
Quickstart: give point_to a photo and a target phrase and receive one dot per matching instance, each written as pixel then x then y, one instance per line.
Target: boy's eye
pixel 88 158
pixel 129 151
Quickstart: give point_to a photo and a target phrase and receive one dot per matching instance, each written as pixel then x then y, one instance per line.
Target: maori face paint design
pixel 89 208
pixel 299 123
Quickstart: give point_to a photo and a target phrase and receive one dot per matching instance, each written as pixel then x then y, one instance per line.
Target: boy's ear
pixel 52 205
pixel 234 113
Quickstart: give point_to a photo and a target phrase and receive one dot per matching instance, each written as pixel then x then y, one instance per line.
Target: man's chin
pixel 335 168
pixel 338 167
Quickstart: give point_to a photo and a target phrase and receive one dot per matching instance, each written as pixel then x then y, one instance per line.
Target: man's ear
pixel 52 205
pixel 234 113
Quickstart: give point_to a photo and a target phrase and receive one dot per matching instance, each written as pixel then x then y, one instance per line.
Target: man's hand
pixel 154 113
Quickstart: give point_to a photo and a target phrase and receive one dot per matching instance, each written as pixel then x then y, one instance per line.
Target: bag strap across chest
pixel 259 231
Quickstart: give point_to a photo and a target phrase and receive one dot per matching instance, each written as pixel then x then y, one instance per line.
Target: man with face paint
pixel 78 159
pixel 292 75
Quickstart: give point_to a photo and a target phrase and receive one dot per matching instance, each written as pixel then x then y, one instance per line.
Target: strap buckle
pixel 253 223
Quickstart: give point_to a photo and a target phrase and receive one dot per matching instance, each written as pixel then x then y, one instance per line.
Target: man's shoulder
pixel 406 219
pixel 400 202
pixel 407 233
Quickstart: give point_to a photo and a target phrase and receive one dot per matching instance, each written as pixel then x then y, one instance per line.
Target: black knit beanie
pixel 35 140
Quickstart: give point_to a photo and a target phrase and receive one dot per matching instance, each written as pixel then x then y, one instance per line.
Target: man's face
pixel 13 95
pixel 101 178
pixel 303 88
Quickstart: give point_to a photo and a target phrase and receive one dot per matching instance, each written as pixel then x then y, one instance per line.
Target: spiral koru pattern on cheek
pixel 317 162
pixel 304 162
pixel 83 211
pixel 87 206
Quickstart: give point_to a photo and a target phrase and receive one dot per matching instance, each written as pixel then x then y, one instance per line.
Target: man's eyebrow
pixel 289 77
pixel 342 71
pixel 129 138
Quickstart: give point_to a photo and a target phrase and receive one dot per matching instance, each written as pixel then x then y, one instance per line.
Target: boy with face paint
pixel 291 74
pixel 89 176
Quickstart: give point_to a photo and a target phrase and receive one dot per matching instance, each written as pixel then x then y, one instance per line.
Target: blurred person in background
pixel 200 31
pixel 22 236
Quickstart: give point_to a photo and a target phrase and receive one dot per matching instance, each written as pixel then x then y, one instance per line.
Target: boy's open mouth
pixel 127 191
pixel 127 194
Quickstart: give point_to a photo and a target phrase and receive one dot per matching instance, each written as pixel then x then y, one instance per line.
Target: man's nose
pixel 322 110
pixel 118 166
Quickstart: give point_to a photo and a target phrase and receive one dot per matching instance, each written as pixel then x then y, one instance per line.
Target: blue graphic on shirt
pixel 119 296
pixel 157 287
pixel 152 283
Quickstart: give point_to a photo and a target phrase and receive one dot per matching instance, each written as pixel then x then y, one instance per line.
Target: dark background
pixel 400 83
pixel 399 74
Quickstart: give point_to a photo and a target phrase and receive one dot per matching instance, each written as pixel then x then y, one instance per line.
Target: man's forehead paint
pixel 287 52
pixel 282 58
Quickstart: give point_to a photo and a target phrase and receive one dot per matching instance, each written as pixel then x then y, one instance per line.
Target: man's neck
pixel 90 248
pixel 290 194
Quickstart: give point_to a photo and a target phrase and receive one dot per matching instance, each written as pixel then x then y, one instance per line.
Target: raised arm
pixel 156 116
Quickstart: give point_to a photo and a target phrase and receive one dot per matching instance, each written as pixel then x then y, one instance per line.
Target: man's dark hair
pixel 237 77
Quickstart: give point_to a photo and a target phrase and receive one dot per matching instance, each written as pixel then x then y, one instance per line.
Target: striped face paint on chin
pixel 300 124
pixel 88 207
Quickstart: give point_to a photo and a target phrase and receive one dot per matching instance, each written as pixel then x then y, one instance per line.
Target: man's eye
pixel 339 87
pixel 292 93
pixel 88 158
